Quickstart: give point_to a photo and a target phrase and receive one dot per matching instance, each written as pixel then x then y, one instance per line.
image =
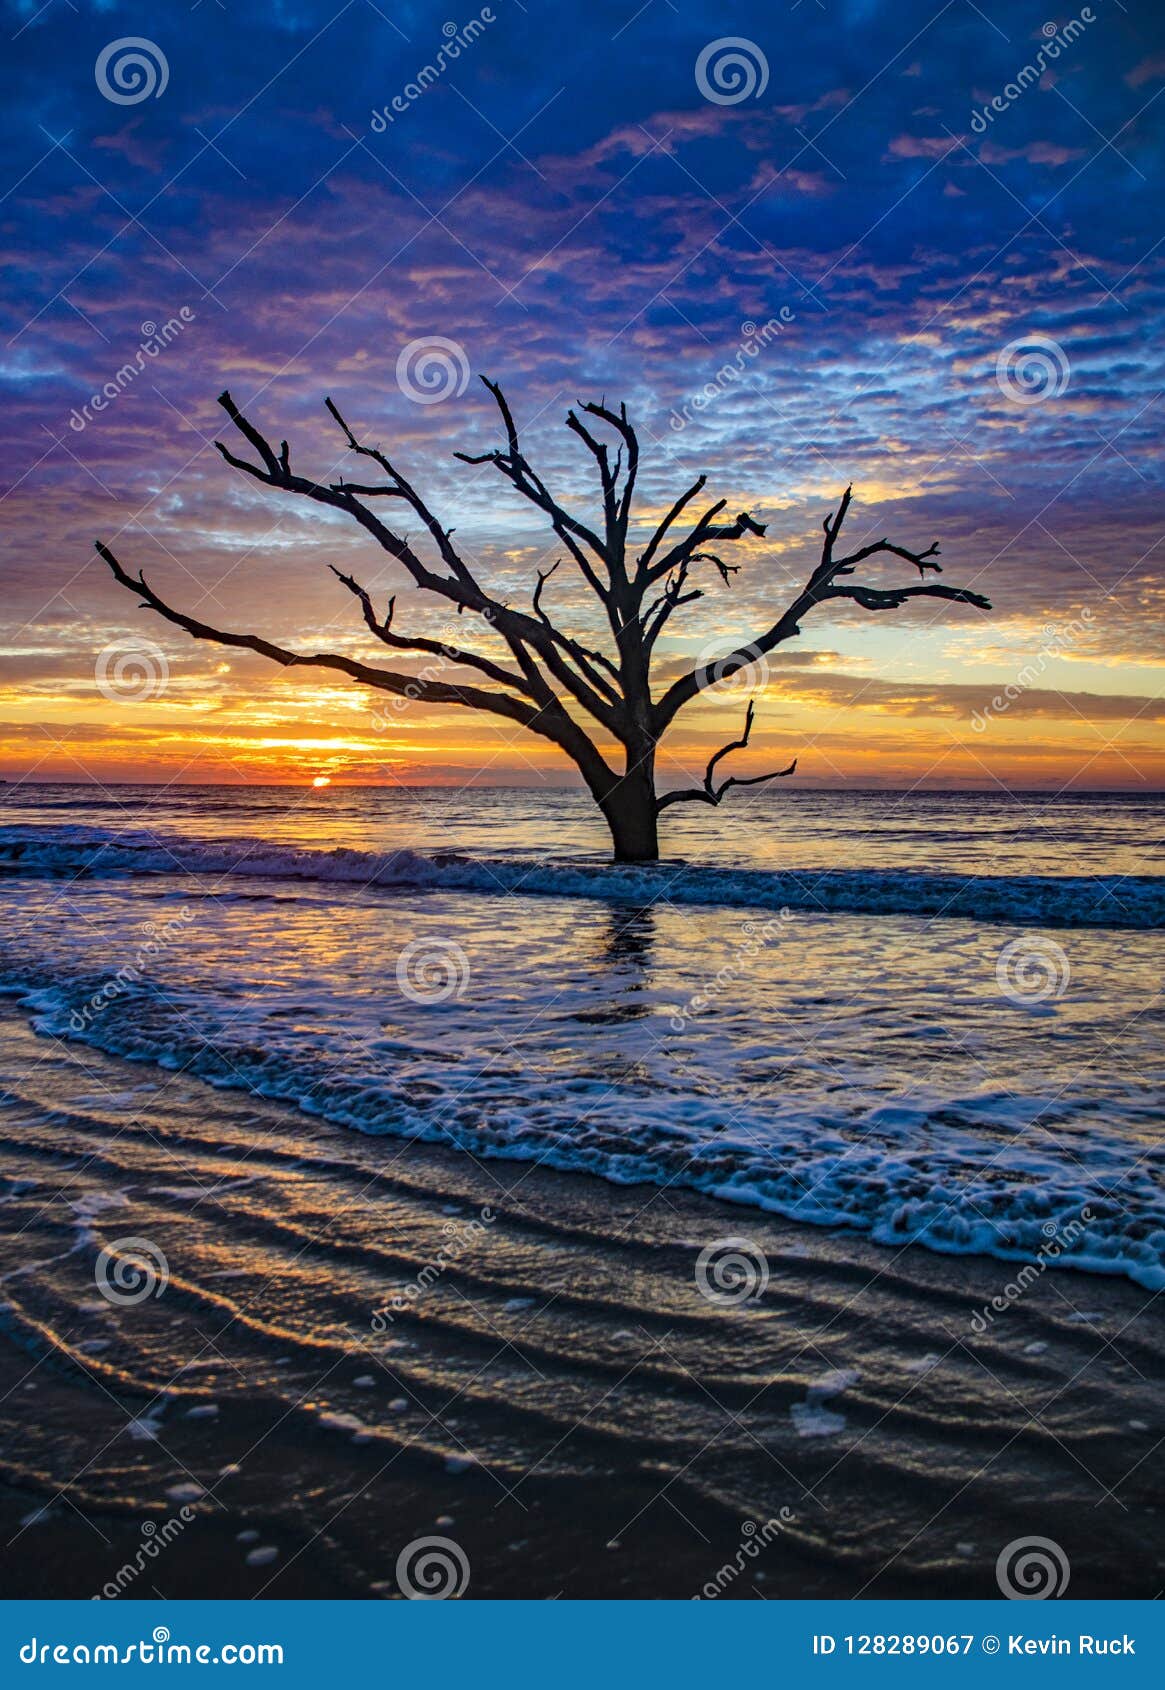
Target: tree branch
pixel 436 648
pixel 709 793
pixel 820 587
pixel 386 680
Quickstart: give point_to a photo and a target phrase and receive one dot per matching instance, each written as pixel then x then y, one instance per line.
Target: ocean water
pixel 929 1018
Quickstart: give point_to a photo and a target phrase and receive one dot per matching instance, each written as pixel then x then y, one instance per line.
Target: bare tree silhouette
pixel 552 678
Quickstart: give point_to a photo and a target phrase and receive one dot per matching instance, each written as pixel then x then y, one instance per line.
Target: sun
pixel 322 780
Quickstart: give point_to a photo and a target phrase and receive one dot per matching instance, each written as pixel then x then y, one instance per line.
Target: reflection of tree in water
pixel 625 947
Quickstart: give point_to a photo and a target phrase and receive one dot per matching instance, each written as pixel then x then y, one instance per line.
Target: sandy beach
pixel 560 1399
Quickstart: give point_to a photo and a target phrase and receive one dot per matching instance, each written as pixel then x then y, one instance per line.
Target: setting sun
pixel 322 780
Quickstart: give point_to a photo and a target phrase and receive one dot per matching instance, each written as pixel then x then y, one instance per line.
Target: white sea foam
pixel 935 1112
pixel 1128 901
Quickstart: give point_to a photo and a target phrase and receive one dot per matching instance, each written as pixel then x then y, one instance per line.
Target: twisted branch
pixel 709 793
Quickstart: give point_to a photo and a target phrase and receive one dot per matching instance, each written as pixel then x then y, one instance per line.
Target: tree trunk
pixel 631 816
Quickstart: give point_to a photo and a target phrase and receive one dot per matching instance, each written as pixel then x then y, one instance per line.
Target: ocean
pixel 381 1163
pixel 934 1018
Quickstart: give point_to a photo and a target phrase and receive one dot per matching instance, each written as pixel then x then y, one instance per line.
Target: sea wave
pixel 1020 1203
pixel 1100 900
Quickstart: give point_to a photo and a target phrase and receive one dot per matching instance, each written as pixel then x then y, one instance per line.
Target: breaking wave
pixel 1117 901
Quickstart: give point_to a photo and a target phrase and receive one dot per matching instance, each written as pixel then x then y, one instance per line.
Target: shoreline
pixel 565 1382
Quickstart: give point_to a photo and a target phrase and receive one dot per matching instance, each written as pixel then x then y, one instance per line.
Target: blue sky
pixel 567 204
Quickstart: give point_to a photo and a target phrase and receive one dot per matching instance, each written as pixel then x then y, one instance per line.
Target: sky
pixel 918 248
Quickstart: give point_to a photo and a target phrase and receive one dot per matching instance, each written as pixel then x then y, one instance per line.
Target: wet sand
pixel 362 1341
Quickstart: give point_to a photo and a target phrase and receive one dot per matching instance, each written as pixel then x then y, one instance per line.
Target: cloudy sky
pixel 915 247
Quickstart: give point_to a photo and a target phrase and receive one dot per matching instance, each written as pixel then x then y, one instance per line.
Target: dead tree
pixel 584 699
